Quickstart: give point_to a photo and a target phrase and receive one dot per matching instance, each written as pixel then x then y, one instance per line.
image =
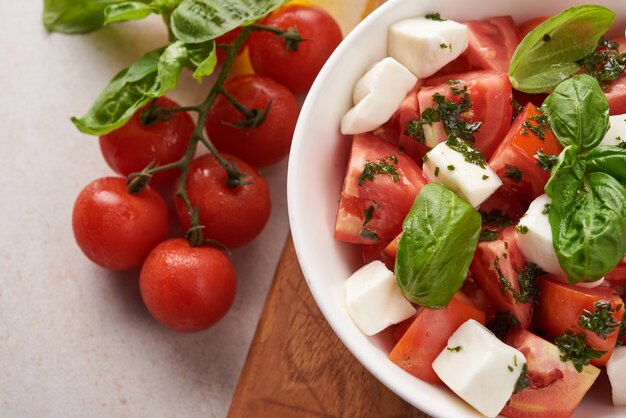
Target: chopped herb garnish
pixel 455 349
pixel 546 209
pixel 425 158
pixel 367 214
pixel 469 152
pixel 501 323
pixel 367 234
pixel 451 168
pixel 415 129
pixel 383 166
pixel 495 217
pixel 517 108
pixel 510 368
pixel 538 127
pixel 573 348
pixel 547 38
pixel 506 245
pixel 523 382
pixel 601 321
pixel 513 173
pixel 436 171
pixel 622 332
pixel 526 281
pixel 522 229
pixel 485 177
pixel 443 46
pixel 621 142
pixel 545 161
pixel 488 235
pixel 435 16
pixel 505 255
pixel 606 64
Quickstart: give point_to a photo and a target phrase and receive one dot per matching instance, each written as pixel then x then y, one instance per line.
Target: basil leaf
pixel 588 222
pixel 196 21
pixel 439 238
pixel 548 54
pixel 578 112
pixel 567 163
pixel 203 58
pixel 74 16
pixel 170 64
pixel 122 12
pixel 608 159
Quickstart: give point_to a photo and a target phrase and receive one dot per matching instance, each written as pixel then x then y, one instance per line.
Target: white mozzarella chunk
pixel 616 370
pixel 479 368
pixel 374 300
pixel 424 45
pixel 472 182
pixel 616 132
pixel 434 133
pixel 377 95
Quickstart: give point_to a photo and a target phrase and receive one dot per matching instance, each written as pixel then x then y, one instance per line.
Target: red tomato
pixel 115 229
pixel 372 252
pixel 265 144
pixel 498 261
pixel 618 275
pixel 387 199
pixel 225 39
pixel 232 216
pixel 515 162
pixel 295 69
pixel 492 43
pixel 490 94
pixel 392 248
pixel 132 147
pixel 408 111
pixel 428 335
pixel 459 65
pixel 504 203
pixel 561 306
pixel 556 388
pixel 531 24
pixel 616 92
pixel 186 288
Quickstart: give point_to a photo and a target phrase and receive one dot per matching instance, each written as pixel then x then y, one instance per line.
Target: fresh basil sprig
pixel 548 54
pixel 128 10
pixel 587 185
pixel 439 238
pixel 578 112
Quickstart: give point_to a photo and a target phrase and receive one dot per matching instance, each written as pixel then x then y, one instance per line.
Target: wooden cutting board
pixel 297 367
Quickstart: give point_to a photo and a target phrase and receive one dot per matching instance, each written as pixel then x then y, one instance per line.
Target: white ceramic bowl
pixel 316 168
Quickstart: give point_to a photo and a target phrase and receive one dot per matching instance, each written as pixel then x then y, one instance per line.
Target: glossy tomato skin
pixel 186 288
pixel 389 199
pixel 492 43
pixel 265 144
pixel 556 387
pixel 132 147
pixel 502 259
pixel 232 216
pixel 517 153
pixel 490 93
pixel 115 229
pixel 428 335
pixel 295 69
pixel 561 306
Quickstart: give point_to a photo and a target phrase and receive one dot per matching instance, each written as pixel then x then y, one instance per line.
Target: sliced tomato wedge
pixel 531 24
pixel 428 335
pixel 459 65
pixel 490 94
pixel 374 201
pixel 497 267
pixel 408 111
pixel 514 160
pixel 555 387
pixel 492 43
pixel 562 305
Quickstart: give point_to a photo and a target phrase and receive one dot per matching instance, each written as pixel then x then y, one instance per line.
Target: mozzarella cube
pixel 377 95
pixel 479 367
pixel 374 300
pixel 434 133
pixel 616 370
pixel 617 130
pixel 470 181
pixel 424 45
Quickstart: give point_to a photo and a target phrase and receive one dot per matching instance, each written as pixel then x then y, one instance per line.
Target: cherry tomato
pixel 186 288
pixel 115 229
pixel 270 55
pixel 227 38
pixel 232 216
pixel 266 143
pixel 132 147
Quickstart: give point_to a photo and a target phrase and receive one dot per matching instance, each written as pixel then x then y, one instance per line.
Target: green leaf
pixel 548 54
pixel 131 89
pixel 203 58
pixel 567 163
pixel 122 12
pixel 439 238
pixel 197 21
pixel 75 16
pixel 578 112
pixel 588 222
pixel 608 159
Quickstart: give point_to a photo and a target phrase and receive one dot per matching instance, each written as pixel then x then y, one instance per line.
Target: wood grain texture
pixel 297 367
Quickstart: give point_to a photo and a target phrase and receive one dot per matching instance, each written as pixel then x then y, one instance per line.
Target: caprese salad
pixel 486 188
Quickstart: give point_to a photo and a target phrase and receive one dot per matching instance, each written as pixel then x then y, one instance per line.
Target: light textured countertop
pixel 75 340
